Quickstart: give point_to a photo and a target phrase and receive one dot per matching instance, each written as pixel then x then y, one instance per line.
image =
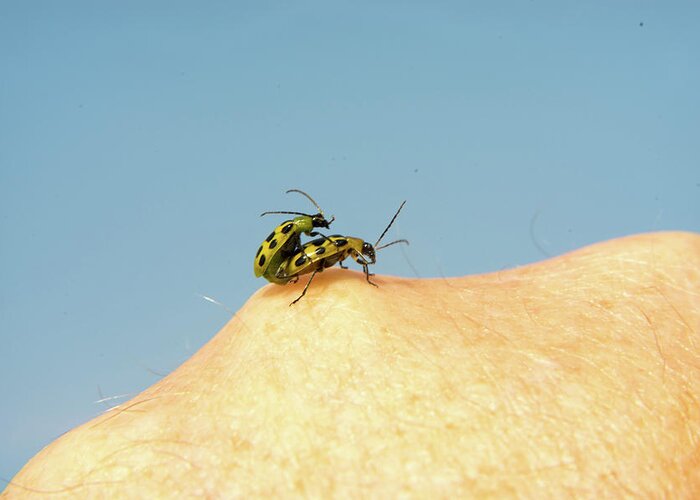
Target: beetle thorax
pixel 303 224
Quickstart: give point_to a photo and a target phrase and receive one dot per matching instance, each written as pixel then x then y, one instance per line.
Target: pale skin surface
pixel 574 377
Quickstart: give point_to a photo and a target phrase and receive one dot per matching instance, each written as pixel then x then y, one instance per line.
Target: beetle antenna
pixel 289 213
pixel 392 243
pixel 309 197
pixel 390 223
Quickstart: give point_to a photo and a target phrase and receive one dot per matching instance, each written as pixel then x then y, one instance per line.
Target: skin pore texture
pixel 577 376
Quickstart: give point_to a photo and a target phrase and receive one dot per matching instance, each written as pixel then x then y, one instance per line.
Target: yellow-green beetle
pixel 318 254
pixel 285 241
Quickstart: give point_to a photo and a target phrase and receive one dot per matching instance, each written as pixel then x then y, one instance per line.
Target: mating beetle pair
pixel 282 258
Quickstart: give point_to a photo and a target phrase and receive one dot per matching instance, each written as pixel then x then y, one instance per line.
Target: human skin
pixel 575 377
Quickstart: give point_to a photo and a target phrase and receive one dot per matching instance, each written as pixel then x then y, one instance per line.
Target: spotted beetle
pixel 318 254
pixel 285 241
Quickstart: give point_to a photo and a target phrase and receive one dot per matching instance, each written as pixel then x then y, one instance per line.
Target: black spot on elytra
pixel 261 261
pixel 320 251
pixel 273 244
pixel 287 228
pixel 300 261
pixel 258 253
pixel 269 238
pixel 340 243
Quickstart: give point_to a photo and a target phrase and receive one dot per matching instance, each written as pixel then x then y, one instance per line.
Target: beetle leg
pixel 365 268
pixel 305 288
pixel 367 275
pixel 280 274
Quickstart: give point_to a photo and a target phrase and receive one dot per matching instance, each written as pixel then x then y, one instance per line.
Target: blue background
pixel 139 141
